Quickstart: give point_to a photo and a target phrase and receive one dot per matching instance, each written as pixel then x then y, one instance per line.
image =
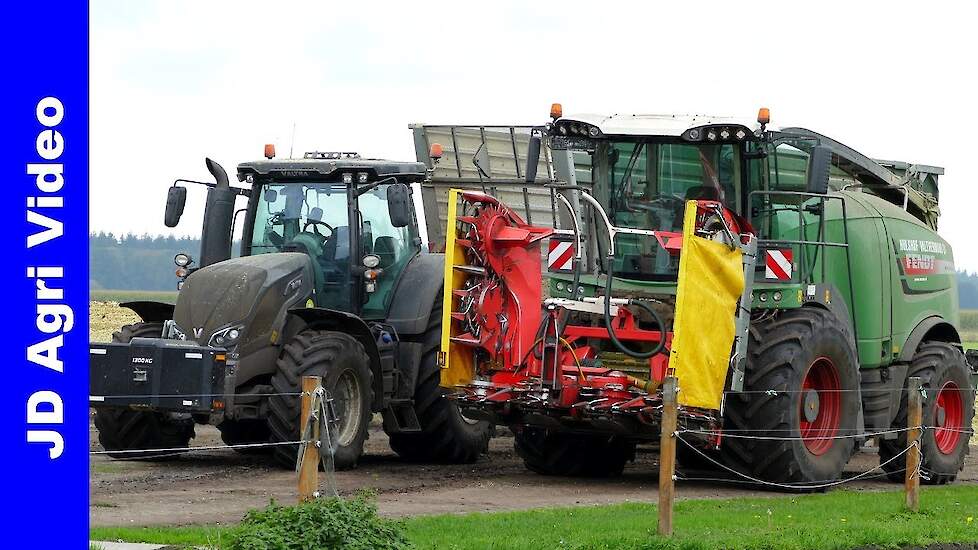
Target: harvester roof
pixel 657 125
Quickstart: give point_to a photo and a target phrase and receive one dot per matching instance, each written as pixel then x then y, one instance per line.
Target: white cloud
pixel 174 82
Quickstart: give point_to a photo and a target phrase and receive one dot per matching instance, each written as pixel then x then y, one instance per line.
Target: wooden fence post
pixel 667 455
pixel 914 421
pixel 309 470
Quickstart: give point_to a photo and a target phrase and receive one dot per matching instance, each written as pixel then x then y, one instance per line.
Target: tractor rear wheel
pixel 446 435
pixel 570 454
pixel 345 370
pixel 801 396
pixel 948 408
pixel 128 430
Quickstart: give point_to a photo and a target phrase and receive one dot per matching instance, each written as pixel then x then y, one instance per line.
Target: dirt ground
pixel 220 486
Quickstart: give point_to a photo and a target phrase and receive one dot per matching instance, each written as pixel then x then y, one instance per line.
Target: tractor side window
pixel 394 245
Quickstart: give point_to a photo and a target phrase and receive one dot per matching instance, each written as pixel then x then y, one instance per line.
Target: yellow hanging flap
pixel 711 280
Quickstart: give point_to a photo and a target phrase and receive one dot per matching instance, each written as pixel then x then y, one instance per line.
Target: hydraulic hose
pixel 641 305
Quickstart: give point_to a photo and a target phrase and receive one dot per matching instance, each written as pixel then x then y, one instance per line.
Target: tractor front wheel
pixel 792 422
pixel 570 454
pixel 345 370
pixel 948 408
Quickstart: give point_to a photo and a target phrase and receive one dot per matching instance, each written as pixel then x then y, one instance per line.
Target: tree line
pixel 145 262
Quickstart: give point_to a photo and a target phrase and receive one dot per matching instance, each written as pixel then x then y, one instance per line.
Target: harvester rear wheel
pixel 801 387
pixel 570 454
pixel 345 369
pixel 948 408
pixel 446 436
pixel 128 430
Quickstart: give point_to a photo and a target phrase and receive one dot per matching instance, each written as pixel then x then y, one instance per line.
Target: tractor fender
pixel 330 319
pixel 420 284
pixel 150 311
pixel 931 328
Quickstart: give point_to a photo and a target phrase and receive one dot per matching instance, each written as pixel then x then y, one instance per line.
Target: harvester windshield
pixel 645 185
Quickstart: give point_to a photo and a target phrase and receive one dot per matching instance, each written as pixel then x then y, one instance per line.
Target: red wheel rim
pixel 820 406
pixel 948 418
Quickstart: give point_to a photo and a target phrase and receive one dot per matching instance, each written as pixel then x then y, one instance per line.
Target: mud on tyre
pixel 345 370
pixel 129 430
pixel 948 408
pixel 802 385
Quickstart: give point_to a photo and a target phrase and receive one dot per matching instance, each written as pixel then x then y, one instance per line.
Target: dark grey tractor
pixel 331 281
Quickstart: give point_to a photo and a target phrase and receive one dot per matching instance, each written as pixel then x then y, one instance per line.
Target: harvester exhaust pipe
pixel 215 238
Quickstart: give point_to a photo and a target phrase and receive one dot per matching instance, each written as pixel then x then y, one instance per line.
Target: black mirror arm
pixel 238 190
pixel 370 186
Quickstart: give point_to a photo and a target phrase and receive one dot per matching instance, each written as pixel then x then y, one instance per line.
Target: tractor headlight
pixel 226 337
pixel 182 260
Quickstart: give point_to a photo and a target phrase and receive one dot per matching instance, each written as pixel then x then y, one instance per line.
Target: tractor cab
pixel 353 217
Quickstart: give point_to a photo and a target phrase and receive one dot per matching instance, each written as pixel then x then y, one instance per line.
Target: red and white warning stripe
pixel 561 255
pixel 778 264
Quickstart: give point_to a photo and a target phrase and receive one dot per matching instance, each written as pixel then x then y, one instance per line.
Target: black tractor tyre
pixel 804 345
pixel 246 432
pixel 344 367
pixel 938 365
pixel 129 430
pixel 697 459
pixel 446 435
pixel 570 454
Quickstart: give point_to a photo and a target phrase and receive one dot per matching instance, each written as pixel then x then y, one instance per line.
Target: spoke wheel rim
pixel 348 406
pixel 820 406
pixel 949 418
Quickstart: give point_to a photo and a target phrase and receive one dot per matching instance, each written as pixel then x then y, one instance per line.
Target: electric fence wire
pixel 819 484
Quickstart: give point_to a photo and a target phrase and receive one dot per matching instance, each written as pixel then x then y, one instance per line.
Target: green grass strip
pixel 837 520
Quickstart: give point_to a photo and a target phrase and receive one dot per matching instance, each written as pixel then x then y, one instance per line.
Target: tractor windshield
pixel 311 218
pixel 644 185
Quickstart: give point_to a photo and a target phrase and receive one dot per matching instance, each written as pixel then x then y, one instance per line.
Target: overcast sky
pixel 173 82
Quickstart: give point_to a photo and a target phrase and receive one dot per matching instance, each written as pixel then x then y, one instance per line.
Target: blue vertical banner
pixel 44 166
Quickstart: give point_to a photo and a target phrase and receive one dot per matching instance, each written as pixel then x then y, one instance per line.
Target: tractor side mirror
pixel 532 158
pixel 399 204
pixel 176 199
pixel 271 195
pixel 819 165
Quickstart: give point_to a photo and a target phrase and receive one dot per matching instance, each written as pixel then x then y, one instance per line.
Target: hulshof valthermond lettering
pixel 54 318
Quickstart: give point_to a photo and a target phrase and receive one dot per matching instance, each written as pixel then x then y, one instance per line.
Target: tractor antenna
pixel 292 141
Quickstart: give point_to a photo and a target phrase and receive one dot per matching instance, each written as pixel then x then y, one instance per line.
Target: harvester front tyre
pixel 345 370
pixel 446 436
pixel 948 409
pixel 128 430
pixel 800 403
pixel 574 455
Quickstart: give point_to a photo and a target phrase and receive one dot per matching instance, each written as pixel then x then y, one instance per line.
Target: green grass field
pixel 837 520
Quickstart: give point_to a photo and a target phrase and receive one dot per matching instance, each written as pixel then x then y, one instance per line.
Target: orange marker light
pixel 556 110
pixel 435 151
pixel 763 115
pixel 269 151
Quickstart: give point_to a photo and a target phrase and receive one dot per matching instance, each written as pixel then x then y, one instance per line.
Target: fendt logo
pixel 142 360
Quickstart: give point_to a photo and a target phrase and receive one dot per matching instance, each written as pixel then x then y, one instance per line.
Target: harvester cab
pixel 719 250
pixel 330 281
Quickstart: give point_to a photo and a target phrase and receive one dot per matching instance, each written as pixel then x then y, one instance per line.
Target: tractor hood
pixel 252 293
